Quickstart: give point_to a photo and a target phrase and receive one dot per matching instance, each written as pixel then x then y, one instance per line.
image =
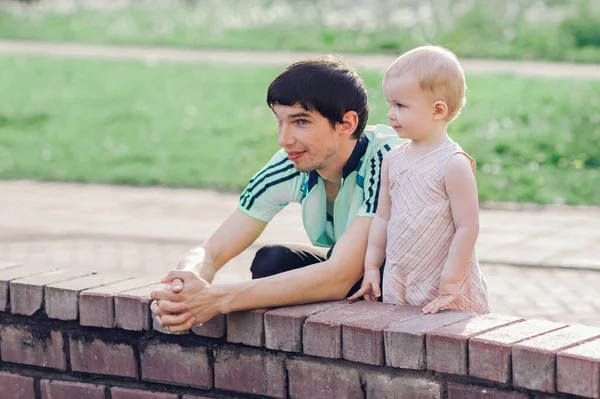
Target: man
pixel 329 163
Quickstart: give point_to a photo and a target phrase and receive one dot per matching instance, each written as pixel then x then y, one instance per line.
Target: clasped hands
pixel 186 301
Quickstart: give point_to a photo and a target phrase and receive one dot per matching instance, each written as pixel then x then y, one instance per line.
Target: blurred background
pixel 534 139
pixel 172 94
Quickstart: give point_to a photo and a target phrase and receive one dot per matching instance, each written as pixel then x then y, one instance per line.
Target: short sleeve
pixel 277 184
pixel 371 183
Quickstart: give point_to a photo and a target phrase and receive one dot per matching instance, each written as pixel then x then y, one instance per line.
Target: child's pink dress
pixel 421 229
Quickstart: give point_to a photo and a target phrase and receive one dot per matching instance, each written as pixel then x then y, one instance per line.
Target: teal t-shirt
pixel 278 183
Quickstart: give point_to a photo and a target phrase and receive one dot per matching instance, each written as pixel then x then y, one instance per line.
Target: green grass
pixel 559 30
pixel 535 140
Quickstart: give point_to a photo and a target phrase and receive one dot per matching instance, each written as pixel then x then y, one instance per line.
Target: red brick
pixel 490 353
pixel 14 272
pixel 175 364
pixel 92 355
pixel 447 346
pixel 132 308
pixel 246 327
pixel 16 386
pixel 578 370
pixel 322 333
pixel 404 342
pixel 97 305
pixel 250 371
pixel 33 345
pixel 391 385
pixel 534 360
pixel 363 337
pixel 62 299
pixel 124 393
pixel 27 294
pixel 459 391
pixel 283 326
pixel 66 389
pixel 315 380
pixel 214 328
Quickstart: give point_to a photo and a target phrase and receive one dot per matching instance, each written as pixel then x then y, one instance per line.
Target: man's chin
pixel 303 169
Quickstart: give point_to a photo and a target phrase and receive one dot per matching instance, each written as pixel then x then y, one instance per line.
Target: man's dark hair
pixel 325 85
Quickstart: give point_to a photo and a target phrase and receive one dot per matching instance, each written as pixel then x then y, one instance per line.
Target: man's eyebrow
pixel 300 115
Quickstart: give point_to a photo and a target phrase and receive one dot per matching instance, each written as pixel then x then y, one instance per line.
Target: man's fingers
pixel 173 320
pixel 156 309
pixel 166 295
pixel 183 327
pixel 172 307
pixel 176 274
pixel 176 285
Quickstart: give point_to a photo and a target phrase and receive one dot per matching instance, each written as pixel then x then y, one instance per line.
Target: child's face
pixel 410 108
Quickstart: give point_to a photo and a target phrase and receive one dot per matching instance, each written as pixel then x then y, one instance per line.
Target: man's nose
pixel 286 136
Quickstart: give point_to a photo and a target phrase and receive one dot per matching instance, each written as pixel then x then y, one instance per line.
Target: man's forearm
pixel 310 284
pixel 236 234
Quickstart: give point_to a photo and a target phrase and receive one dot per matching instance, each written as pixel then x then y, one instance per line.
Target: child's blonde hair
pixel 438 72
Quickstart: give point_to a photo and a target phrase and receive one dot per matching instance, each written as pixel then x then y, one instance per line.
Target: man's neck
pixel 334 171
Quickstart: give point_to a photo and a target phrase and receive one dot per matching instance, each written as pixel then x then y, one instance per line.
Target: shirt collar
pixel 353 162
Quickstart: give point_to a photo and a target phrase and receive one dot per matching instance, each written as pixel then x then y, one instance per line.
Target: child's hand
pixel 369 288
pixel 449 292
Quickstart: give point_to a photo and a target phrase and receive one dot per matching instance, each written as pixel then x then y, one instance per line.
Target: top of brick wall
pixel 535 355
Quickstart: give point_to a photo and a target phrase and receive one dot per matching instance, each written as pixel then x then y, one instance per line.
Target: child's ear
pixel 349 123
pixel 440 110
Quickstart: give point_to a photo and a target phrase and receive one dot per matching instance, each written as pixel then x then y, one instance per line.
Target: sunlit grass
pixel 535 140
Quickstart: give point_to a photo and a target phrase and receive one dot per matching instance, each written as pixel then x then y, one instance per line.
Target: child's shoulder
pixel 395 151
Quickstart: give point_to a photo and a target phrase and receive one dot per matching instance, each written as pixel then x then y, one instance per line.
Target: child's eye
pixel 399 105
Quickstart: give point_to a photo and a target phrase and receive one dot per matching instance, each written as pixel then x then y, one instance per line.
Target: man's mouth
pixel 294 155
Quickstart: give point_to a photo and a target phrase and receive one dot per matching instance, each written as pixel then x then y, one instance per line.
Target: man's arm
pixel 235 235
pixel 329 280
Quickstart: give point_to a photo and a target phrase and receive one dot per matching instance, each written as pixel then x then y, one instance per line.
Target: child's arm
pixel 462 192
pixel 377 240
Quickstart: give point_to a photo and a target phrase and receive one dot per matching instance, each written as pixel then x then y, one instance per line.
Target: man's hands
pixel 369 289
pixel 186 301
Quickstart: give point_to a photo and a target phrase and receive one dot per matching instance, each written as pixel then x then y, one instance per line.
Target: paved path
pixel 280 58
pixel 149 229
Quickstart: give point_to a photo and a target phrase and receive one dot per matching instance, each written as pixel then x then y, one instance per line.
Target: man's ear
pixel 349 123
pixel 440 110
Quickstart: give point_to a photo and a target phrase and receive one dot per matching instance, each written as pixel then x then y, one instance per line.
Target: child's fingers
pixel 432 307
pixel 361 292
pixel 376 291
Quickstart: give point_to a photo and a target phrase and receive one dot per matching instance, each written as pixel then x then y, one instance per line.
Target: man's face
pixel 306 136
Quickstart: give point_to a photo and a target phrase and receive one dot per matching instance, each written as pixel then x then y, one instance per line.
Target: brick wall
pixel 77 334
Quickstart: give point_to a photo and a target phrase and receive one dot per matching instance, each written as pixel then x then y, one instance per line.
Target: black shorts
pixel 275 259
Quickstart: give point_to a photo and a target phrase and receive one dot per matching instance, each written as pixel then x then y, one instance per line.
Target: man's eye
pixel 302 122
